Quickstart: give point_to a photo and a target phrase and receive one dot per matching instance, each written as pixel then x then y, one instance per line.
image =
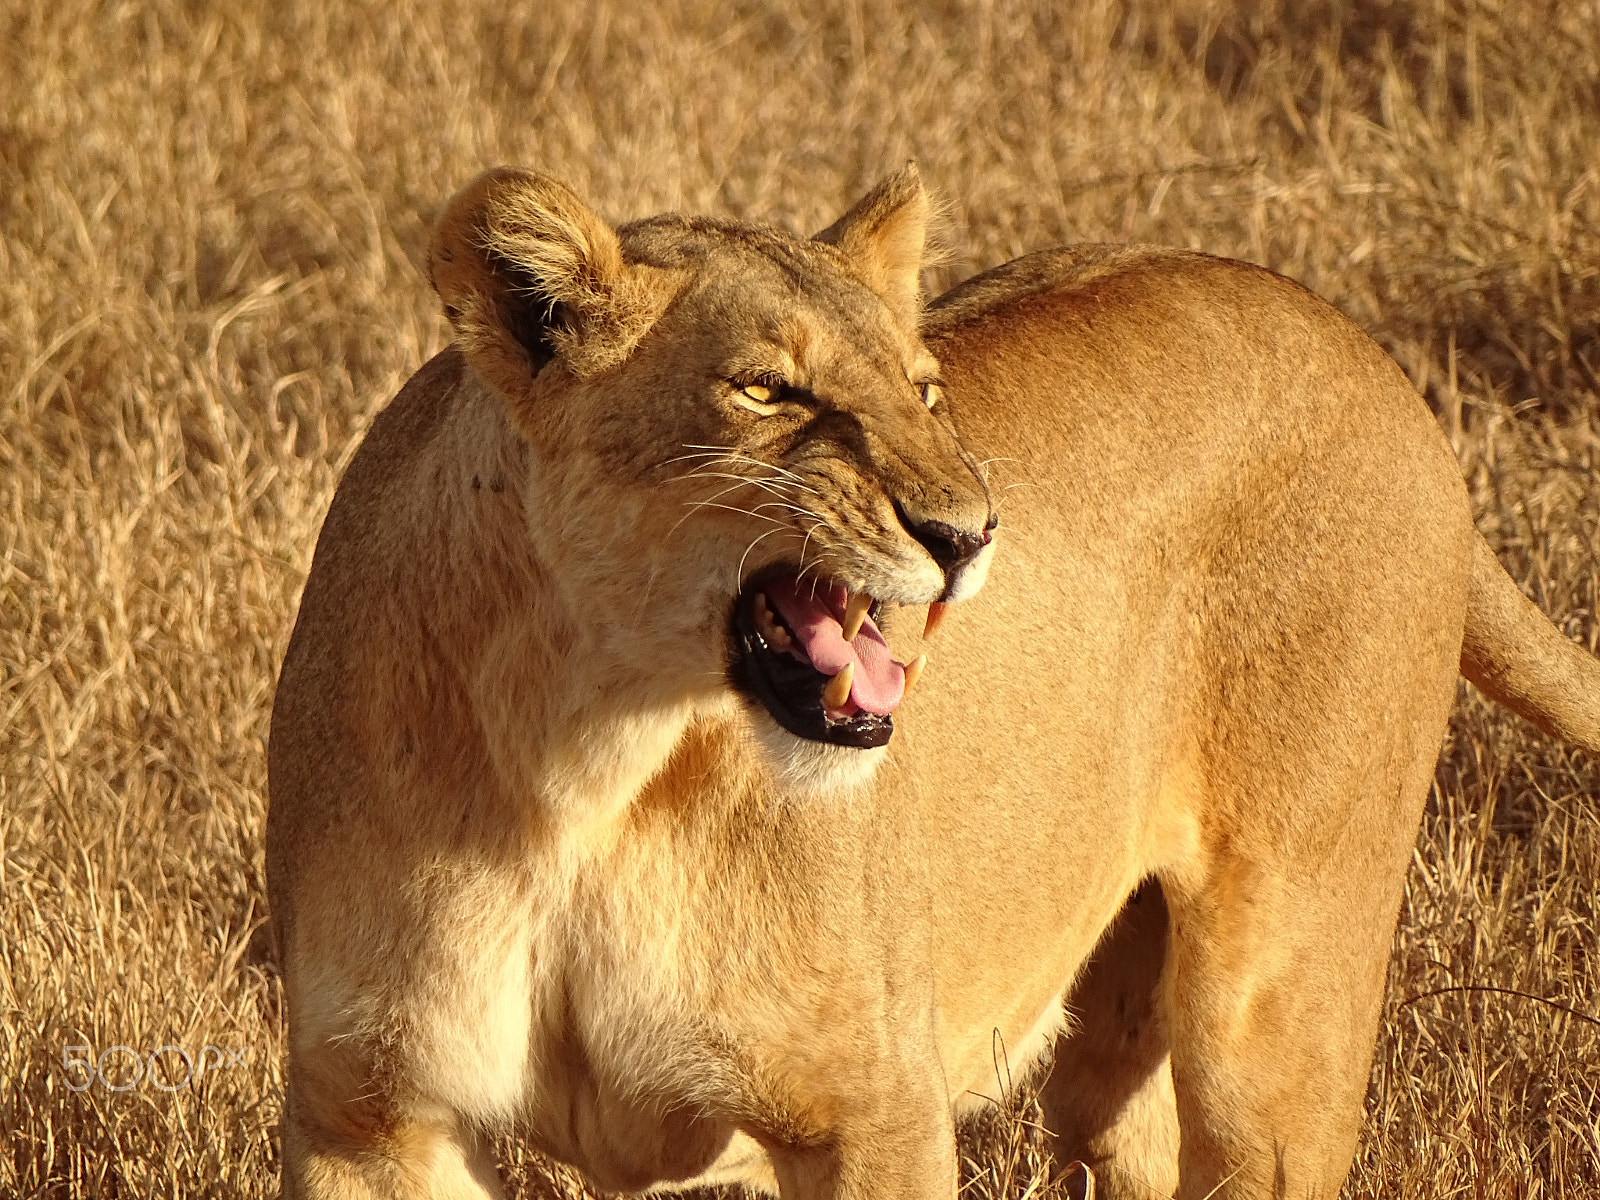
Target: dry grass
pixel 211 218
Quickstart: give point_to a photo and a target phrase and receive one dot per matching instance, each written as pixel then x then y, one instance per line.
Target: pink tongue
pixel 815 616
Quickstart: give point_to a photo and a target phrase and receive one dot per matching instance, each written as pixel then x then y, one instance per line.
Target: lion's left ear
pixel 884 235
pixel 528 274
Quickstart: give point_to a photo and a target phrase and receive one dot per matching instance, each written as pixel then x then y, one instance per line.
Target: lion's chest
pixel 612 1036
pixel 676 990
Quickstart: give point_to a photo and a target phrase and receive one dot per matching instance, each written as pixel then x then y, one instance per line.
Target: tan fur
pixel 536 866
pixel 886 233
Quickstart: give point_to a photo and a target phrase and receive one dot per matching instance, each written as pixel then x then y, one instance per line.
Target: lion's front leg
pixel 905 1148
pixel 399 1063
pixel 329 1156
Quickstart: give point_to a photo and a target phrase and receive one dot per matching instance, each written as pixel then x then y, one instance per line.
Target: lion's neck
pixel 580 687
pixel 568 727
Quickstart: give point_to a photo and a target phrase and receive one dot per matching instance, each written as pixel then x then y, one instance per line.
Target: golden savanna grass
pixel 212 220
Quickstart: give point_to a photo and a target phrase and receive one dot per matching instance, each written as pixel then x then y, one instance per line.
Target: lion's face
pixel 735 430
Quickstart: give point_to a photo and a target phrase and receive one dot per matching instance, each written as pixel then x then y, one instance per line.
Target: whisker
pixel 766 485
pixel 783 504
pixel 719 495
pixel 815 566
pixel 692 505
pixel 695 505
pixel 734 454
pixel 733 508
pixel 817 523
pixel 739 572
pixel 644 596
pixel 770 483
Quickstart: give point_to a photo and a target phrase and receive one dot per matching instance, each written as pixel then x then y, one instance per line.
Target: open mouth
pixel 812 653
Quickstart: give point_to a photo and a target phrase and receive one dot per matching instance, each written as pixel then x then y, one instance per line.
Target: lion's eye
pixel 930 392
pixel 757 397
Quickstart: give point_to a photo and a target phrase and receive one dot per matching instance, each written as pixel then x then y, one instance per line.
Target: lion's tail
pixel 1515 655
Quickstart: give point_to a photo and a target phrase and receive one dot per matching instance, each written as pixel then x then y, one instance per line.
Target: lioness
pixel 586 820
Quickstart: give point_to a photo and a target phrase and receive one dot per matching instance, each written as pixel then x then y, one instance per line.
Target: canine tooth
pixel 838 689
pixel 913 673
pixel 855 613
pixel 935 616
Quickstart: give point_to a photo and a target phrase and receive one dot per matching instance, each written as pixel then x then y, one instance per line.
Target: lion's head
pixel 740 453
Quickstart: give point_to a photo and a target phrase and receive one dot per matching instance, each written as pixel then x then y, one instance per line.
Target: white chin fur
pixel 805 769
pixel 970 578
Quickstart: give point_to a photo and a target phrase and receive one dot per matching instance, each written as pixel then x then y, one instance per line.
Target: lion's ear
pixel 884 234
pixel 528 273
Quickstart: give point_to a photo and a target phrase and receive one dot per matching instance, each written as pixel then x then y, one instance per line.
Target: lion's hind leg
pixel 1277 988
pixel 1108 1100
pixel 1280 938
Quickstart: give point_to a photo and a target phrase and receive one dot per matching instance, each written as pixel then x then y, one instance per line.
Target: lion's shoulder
pixel 1085 320
pixel 1057 269
pixel 1101 274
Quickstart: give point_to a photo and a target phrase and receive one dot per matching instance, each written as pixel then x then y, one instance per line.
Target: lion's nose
pixel 946 545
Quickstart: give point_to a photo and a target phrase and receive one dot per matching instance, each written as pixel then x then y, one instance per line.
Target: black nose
pixel 948 546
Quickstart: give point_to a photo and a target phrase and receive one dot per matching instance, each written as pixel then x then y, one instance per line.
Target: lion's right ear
pixel 528 273
pixel 885 234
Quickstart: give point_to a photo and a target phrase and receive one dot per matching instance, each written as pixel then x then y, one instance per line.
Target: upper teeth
pixel 836 693
pixel 855 613
pixel 767 625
